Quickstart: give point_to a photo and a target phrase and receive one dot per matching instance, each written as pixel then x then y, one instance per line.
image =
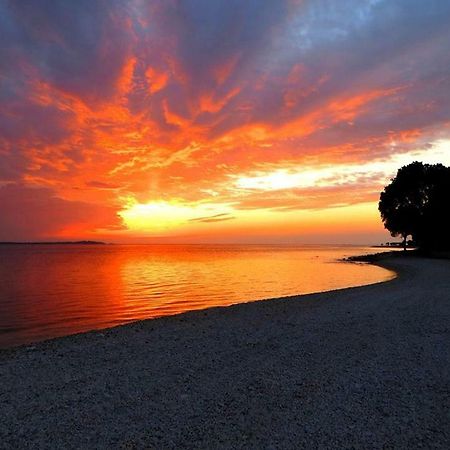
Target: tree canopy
pixel 417 203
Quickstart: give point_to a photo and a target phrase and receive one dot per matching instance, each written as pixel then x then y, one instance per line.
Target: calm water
pixel 55 290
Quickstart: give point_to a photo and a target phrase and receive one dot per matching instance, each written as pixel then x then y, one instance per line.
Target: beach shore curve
pixel 364 367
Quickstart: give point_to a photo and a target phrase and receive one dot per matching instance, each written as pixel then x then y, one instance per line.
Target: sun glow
pixel 163 216
pixel 229 214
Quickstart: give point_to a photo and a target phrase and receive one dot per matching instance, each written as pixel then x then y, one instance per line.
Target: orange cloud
pixel 157 80
pixel 142 111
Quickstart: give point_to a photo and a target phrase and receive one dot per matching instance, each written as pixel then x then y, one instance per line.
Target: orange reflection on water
pixel 56 290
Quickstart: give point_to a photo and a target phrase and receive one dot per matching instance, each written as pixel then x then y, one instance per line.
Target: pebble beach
pixel 364 367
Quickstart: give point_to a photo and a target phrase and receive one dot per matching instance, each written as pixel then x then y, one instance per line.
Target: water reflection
pixel 49 291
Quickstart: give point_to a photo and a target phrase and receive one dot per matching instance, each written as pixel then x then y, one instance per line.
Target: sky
pixel 275 121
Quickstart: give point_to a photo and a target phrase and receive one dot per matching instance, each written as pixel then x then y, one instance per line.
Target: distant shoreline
pixel 55 243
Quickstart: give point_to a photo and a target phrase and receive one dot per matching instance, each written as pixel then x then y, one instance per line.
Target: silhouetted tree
pixel 417 203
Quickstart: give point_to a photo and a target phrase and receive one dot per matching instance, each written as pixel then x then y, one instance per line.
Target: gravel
pixel 360 367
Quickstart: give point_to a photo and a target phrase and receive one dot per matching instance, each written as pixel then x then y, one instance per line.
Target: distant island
pixel 56 243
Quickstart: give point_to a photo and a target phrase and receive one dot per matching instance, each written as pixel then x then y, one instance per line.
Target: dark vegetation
pixel 417 203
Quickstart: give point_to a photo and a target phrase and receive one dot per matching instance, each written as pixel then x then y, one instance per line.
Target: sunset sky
pixel 215 120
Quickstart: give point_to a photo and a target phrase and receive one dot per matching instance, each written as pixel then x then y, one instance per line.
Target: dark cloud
pixel 37 213
pixel 215 218
pixel 78 46
pixel 354 49
pixel 211 33
pixel 102 185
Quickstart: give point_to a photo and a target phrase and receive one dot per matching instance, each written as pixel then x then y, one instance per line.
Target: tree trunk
pixel 404 242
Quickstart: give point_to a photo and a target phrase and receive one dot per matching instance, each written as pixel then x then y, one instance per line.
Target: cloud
pixel 215 218
pixel 102 185
pixel 37 213
pixel 78 46
pixel 161 100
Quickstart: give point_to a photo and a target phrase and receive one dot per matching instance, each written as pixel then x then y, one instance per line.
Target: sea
pixel 47 291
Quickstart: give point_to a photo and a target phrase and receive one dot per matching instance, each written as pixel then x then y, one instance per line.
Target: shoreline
pixel 365 366
pixel 29 342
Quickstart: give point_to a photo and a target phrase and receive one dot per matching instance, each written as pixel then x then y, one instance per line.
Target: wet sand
pixel 360 367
